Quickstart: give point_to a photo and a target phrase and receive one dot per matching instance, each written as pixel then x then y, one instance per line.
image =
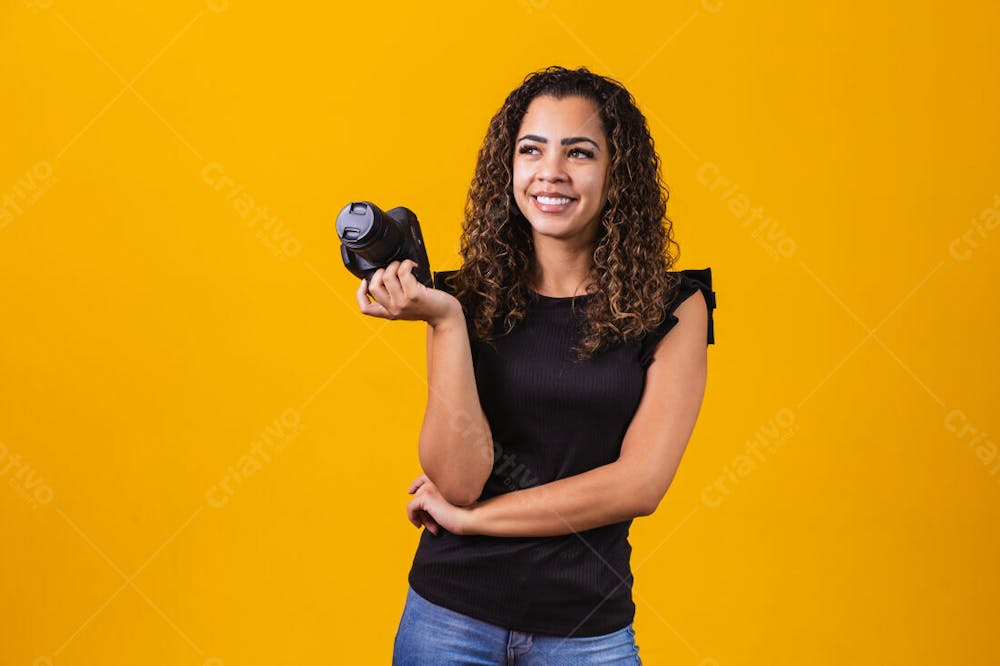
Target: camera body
pixel 371 238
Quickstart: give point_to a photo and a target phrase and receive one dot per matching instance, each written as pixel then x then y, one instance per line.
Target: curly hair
pixel 630 282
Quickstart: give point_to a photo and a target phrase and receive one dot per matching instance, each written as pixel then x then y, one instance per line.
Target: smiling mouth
pixel 552 204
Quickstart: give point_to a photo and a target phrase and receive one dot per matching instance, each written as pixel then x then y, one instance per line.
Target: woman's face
pixel 561 168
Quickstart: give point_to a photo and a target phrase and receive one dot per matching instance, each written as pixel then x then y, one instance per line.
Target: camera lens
pixel 367 230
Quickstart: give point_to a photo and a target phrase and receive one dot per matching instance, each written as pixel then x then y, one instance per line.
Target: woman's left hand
pixel 428 507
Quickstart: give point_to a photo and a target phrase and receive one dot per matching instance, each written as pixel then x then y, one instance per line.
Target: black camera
pixel 371 239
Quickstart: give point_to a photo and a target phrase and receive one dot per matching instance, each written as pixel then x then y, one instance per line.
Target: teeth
pixel 550 201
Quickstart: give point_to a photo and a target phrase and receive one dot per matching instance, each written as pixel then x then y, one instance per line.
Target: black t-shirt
pixel 551 416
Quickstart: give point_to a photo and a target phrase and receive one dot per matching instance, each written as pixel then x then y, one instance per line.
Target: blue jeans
pixel 431 635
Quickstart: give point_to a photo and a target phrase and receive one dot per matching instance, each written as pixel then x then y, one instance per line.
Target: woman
pixel 558 407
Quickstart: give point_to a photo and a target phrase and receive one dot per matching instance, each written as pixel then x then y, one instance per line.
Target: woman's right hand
pixel 399 295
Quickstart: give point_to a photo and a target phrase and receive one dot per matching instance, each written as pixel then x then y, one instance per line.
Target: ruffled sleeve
pixel 439 283
pixel 691 280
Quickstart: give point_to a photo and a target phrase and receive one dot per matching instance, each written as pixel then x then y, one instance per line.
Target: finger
pixel 430 523
pixel 362 294
pixel 427 520
pixel 391 282
pixel 419 481
pixel 412 513
pixel 407 280
pixel 421 516
pixel 375 287
pixel 374 309
pixel 385 292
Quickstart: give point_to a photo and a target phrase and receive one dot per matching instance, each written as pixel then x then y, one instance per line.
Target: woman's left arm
pixel 631 486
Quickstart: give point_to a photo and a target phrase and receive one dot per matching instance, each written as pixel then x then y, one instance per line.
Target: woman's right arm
pixel 455 446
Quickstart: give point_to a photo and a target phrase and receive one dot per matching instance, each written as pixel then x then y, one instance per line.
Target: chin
pixel 554 230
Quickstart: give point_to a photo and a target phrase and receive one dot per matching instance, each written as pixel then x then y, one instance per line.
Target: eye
pixel 525 150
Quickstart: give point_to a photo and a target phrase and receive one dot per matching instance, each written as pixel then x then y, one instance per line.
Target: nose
pixel 552 168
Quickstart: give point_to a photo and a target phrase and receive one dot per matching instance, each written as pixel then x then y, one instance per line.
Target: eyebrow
pixel 567 141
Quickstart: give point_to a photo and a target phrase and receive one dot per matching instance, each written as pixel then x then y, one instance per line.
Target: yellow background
pixel 153 332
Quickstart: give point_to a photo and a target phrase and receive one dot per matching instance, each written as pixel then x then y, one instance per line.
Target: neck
pixel 560 268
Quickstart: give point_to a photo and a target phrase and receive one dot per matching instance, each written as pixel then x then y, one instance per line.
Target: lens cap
pixel 355 222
